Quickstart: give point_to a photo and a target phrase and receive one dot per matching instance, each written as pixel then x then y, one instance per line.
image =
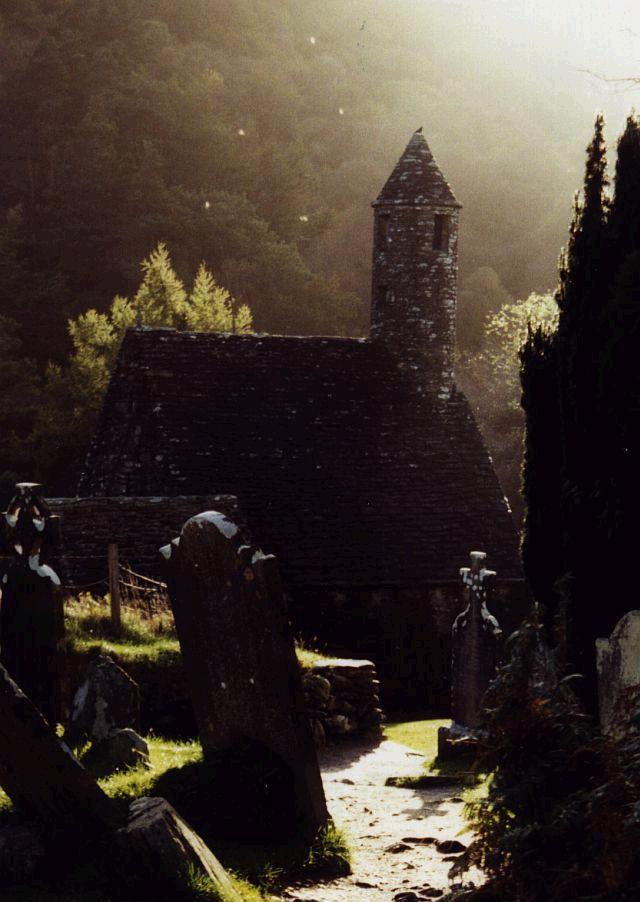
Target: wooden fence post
pixel 114 588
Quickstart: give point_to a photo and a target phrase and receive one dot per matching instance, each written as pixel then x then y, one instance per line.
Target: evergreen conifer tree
pixel 581 299
pixel 618 485
pixel 581 396
pixel 542 533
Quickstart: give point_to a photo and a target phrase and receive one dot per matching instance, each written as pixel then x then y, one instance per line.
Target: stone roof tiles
pixel 340 468
pixel 417 179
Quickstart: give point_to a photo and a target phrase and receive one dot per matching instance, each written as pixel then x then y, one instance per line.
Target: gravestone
pixel 244 677
pixel 106 711
pixel 32 614
pixel 476 639
pixel 106 700
pixel 47 784
pixel 618 663
pixel 157 849
pixel 39 773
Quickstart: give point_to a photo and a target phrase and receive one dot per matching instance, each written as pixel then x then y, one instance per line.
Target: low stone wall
pixel 343 700
pixel 341 695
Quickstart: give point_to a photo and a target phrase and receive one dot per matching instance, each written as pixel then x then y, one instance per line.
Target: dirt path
pixel 376 817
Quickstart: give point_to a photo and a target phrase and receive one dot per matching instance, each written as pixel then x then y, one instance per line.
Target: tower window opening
pixel 441 232
pixel 383 226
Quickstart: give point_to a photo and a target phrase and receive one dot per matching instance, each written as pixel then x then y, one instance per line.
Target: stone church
pixel 356 461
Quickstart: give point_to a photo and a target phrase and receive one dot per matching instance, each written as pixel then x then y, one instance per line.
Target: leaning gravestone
pixel 39 773
pixel 244 677
pixel 32 614
pixel 618 662
pixel 476 639
pixel 47 784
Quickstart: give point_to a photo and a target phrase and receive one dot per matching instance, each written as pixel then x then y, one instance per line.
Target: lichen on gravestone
pixel 244 679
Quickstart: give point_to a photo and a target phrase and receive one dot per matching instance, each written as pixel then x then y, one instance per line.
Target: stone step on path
pixel 393 833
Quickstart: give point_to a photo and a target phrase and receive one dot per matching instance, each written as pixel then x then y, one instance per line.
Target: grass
pixel 177 772
pixel 149 639
pixel 143 639
pixel 419 735
pixel 422 736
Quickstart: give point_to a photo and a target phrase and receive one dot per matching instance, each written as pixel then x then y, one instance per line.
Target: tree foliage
pixel 560 819
pixel 490 378
pixel 581 484
pixel 50 419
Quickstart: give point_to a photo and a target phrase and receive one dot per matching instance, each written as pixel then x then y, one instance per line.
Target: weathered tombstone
pixel 157 846
pixel 107 700
pixel 32 614
pixel 39 773
pixel 476 638
pixel 106 711
pixel 47 783
pixel 618 662
pixel 244 677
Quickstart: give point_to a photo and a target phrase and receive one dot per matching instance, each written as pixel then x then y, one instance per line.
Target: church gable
pixel 356 461
pixel 342 471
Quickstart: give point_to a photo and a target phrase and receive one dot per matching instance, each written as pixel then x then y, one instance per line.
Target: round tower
pixel 415 267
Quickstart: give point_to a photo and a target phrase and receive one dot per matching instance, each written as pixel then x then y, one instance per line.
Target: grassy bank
pixel 422 736
pixel 178 774
pixel 144 639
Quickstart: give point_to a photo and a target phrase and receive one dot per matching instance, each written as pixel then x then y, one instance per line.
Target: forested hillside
pixel 253 134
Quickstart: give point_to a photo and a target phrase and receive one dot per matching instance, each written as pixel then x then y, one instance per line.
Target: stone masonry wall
pixel 343 700
pixel 406 633
pixel 341 695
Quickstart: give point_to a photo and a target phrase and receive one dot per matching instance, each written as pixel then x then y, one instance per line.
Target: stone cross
pixel 476 638
pixel 245 680
pixel 32 614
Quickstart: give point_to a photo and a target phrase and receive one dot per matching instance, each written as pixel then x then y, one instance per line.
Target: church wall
pixel 405 631
pixel 139 526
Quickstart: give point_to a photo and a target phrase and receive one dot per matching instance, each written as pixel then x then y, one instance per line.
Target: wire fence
pixel 142 592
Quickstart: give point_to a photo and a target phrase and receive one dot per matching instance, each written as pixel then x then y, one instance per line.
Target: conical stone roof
pixel 417 179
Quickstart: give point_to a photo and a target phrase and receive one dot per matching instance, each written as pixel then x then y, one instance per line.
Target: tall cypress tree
pixel 619 388
pixel 581 395
pixel 542 534
pixel 581 299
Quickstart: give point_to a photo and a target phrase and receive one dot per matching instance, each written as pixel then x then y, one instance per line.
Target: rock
pixel 431 781
pixel 21 851
pixel 117 751
pixel 158 847
pixel 406 896
pixel 397 847
pixel 430 892
pixel 420 840
pixel 107 700
pixel 340 725
pixel 450 847
pixel 317 689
